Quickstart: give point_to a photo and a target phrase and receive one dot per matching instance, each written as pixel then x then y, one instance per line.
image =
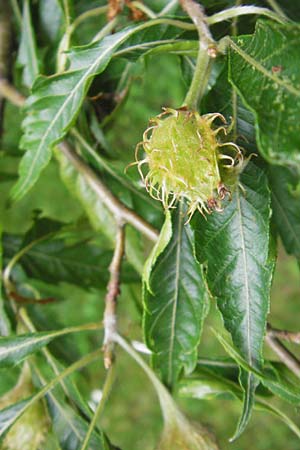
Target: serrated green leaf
pixel 235 246
pixel 83 264
pixel 285 189
pixel 14 349
pixel 55 103
pixel 264 70
pixel 27 56
pixel 269 378
pixel 207 384
pixel 177 304
pixel 41 228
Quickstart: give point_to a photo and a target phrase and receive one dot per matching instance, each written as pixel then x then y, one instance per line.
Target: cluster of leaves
pixel 77 70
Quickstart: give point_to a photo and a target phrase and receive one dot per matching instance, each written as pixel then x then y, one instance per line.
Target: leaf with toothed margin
pixel 264 70
pixel 56 100
pixel 175 300
pixel 54 105
pixel 235 246
pixel 285 189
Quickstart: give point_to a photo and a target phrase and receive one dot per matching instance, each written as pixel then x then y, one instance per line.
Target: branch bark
pixel 113 291
pixel 290 336
pixel 120 212
pixel 287 357
pixel 118 209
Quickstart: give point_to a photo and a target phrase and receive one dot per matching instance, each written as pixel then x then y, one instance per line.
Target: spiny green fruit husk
pixel 184 156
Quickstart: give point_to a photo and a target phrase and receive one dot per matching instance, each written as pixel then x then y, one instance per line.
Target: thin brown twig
pixel 206 53
pixel 290 336
pixel 113 291
pixel 118 209
pixel 8 92
pixel 287 357
pixel 196 13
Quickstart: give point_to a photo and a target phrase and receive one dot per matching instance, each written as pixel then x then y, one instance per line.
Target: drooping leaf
pixel 285 189
pixel 209 384
pixel 263 68
pixel 33 426
pixel 163 240
pixel 54 104
pixel 234 245
pixel 176 303
pixel 9 415
pixel 280 386
pixel 14 349
pixel 27 56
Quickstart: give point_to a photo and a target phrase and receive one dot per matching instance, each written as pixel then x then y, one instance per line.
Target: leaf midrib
pixel 175 297
pixel 245 271
pixel 253 62
pixel 5 352
pixel 61 109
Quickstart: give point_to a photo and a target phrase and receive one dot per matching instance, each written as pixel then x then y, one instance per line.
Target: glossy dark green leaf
pixel 129 191
pixel 14 349
pixel 72 429
pixel 209 383
pixel 264 70
pixel 83 264
pixel 234 245
pixel 285 188
pixel 41 228
pixel 54 104
pixel 27 56
pixel 270 378
pixel 175 303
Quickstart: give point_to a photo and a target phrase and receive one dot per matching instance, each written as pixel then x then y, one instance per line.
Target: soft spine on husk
pixel 186 159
